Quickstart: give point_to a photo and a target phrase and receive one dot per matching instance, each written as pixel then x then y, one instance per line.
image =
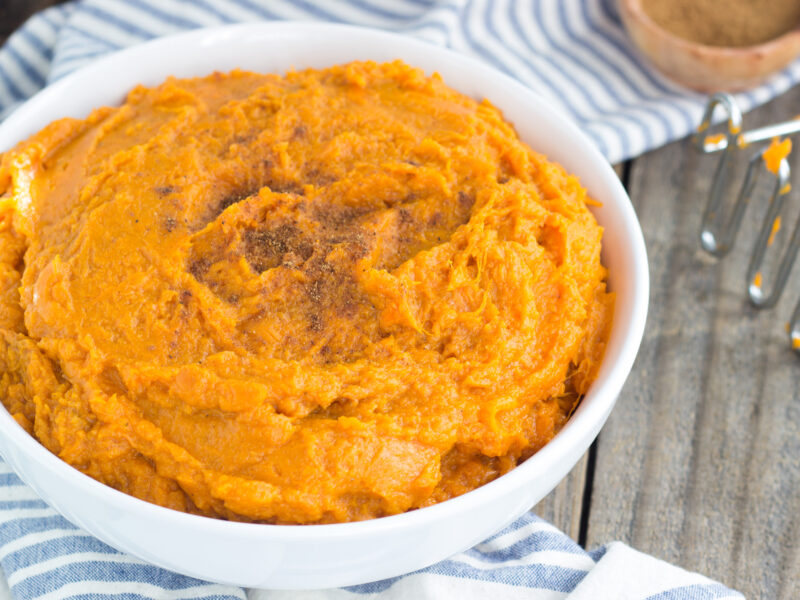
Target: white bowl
pixel 321 556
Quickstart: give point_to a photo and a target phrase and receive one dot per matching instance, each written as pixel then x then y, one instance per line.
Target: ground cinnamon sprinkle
pixel 729 23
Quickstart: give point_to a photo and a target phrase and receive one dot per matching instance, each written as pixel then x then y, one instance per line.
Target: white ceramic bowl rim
pixel 622 348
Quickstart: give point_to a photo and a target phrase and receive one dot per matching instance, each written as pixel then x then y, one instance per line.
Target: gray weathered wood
pixel 562 507
pixel 14 12
pixel 699 463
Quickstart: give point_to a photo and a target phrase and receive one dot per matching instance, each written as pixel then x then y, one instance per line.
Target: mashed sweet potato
pixel 329 296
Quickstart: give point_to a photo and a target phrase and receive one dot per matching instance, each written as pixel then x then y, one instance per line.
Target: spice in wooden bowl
pixel 713 46
pixel 734 23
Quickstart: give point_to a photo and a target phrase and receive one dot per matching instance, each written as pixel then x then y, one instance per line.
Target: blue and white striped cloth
pixel 44 556
pixel 572 51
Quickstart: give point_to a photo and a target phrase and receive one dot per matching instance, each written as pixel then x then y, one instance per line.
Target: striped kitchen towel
pixel 574 52
pixel 44 556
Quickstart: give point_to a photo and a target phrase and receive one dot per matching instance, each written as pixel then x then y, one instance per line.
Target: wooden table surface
pixel 699 463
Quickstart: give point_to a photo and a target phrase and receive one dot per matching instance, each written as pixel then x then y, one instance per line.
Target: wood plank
pixel 563 506
pixel 699 463
pixel 14 12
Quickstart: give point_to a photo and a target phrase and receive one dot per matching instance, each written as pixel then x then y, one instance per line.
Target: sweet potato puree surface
pixel 327 296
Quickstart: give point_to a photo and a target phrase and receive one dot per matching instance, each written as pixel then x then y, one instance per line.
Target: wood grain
pixel 563 506
pixel 14 12
pixel 699 463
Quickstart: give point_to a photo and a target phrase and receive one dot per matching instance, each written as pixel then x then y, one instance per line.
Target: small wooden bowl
pixel 707 68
